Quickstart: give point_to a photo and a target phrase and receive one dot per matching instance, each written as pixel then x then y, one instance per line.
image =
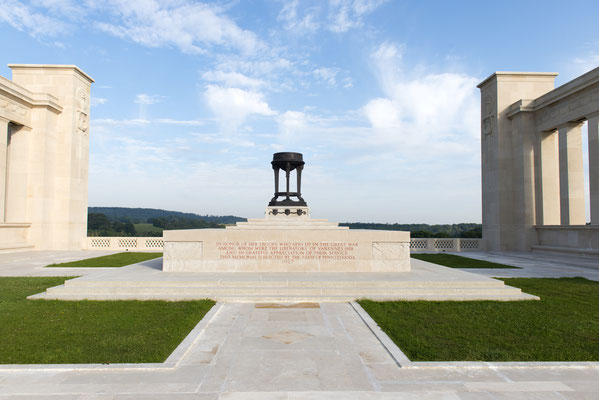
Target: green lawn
pixel 145 228
pixel 59 332
pixel 113 260
pixel 453 261
pixel 562 326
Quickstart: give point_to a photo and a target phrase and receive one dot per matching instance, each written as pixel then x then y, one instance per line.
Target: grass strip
pixel 453 261
pixel 64 332
pixel 562 326
pixel 112 260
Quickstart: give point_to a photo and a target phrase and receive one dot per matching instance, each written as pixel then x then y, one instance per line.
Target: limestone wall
pixel 286 250
pixel 44 156
pixel 531 149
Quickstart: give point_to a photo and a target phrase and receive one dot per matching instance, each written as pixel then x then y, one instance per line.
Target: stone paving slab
pixel 32 263
pixel 248 351
pixel 535 265
pixel 309 351
pixel 146 281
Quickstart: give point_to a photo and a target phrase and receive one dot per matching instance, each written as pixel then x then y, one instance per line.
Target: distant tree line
pixel 142 215
pixel 99 224
pixel 182 223
pixel 120 221
pixel 465 230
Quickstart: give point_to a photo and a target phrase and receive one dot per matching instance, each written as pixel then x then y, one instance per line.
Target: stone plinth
pixel 292 244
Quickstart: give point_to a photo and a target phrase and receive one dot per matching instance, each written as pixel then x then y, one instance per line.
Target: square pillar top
pixel 519 76
pixel 48 69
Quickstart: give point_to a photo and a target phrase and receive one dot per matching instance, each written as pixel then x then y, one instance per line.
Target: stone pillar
pixel 498 92
pixel 3 158
pixel 58 155
pixel 571 175
pixel 523 236
pixel 547 169
pixel 593 126
pixel 17 174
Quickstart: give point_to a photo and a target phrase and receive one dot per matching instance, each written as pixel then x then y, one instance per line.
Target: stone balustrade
pixel 441 245
pixel 417 245
pixel 123 243
pixel 580 240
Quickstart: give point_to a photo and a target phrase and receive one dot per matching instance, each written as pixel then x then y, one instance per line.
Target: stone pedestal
pixel 286 242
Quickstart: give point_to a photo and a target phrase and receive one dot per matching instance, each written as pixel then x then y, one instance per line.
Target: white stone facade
pixel 532 171
pixel 286 242
pixel 44 157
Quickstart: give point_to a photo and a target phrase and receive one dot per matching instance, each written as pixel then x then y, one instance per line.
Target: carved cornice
pixel 19 94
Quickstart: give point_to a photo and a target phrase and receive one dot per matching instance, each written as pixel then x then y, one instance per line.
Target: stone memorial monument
pixel 286 240
pixel 44 157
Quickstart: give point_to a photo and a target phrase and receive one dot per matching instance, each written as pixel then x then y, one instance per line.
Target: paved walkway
pixel 32 263
pixel 536 265
pixel 309 351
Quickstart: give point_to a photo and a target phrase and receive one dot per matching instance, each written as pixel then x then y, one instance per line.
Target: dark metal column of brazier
pixel 288 162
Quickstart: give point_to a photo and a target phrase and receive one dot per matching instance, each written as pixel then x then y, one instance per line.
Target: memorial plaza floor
pixel 311 350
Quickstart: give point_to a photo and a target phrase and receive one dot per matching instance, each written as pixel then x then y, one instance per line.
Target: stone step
pixel 285 227
pixel 9 248
pixel 280 291
pixel 487 283
pixel 289 299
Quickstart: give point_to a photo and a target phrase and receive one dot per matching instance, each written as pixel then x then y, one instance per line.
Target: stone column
pixel 593 126
pixel 547 168
pixel 3 157
pixel 17 174
pixel 523 235
pixel 571 175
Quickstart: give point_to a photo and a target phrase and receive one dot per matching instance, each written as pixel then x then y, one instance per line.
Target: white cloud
pixel 140 121
pixel 326 74
pixel 26 18
pixel 70 9
pixel 269 66
pixel 339 16
pixel 587 63
pixel 382 114
pixel 293 22
pixel 439 111
pixel 193 122
pixel 347 14
pixel 233 105
pixel 146 99
pixel 212 138
pixel 96 101
pixel 189 26
pixel 232 79
pixel 293 125
pixel 118 122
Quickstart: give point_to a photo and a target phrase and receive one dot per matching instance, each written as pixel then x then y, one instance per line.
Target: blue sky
pixel 192 98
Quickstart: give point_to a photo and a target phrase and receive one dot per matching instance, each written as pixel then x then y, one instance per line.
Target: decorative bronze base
pixel 287 203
